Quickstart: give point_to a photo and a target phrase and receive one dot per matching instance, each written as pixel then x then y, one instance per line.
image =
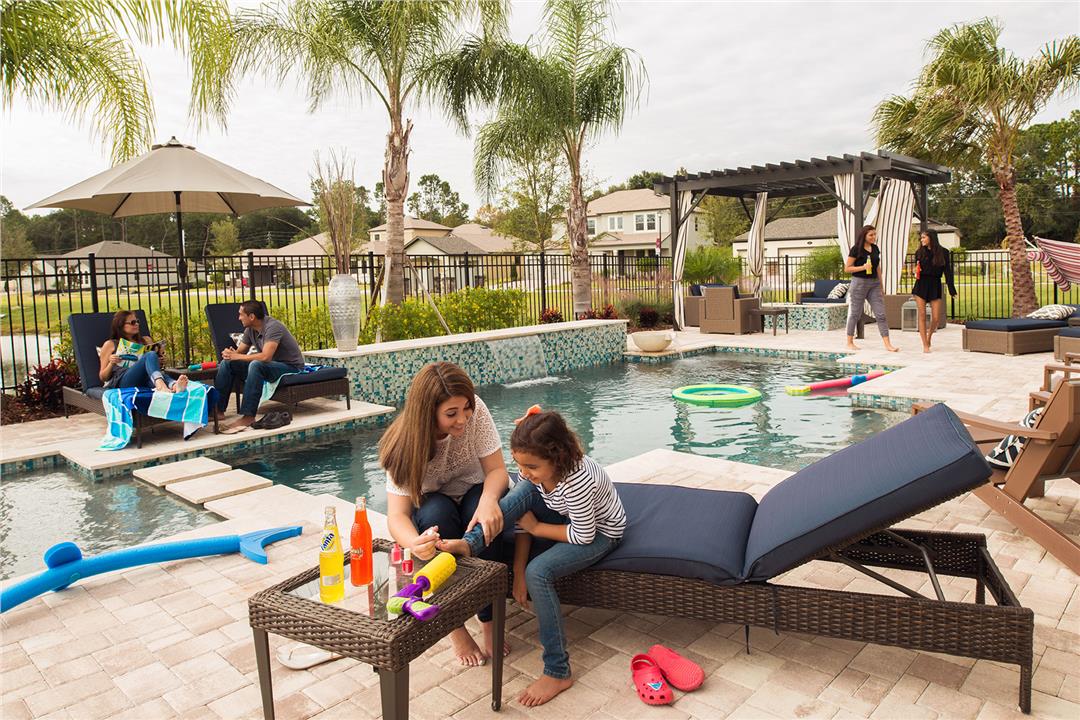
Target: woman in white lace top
pixel 445 474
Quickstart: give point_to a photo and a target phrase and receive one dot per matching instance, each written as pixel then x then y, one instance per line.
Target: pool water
pixel 40 509
pixel 620 411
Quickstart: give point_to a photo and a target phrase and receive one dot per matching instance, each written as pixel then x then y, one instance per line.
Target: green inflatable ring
pixel 716 395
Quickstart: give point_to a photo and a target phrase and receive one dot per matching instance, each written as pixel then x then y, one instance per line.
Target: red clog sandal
pixel 649 681
pixel 683 674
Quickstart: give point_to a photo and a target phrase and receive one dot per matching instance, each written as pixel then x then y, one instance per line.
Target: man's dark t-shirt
pixel 288 350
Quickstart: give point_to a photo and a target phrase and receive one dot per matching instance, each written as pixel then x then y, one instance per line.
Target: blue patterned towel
pixel 189 407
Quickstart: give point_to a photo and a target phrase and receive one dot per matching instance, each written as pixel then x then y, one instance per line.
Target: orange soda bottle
pixel 360 541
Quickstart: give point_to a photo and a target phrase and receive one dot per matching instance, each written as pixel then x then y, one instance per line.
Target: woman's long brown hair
pixel 409 443
pixel 118 321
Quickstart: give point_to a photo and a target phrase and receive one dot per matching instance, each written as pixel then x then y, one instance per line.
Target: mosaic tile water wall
pixel 825 316
pixel 384 377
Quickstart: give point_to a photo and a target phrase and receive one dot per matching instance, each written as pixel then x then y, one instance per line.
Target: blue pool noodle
pixel 67 565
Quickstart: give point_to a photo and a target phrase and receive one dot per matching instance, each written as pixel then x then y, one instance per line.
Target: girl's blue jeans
pixel 543 570
pixel 144 373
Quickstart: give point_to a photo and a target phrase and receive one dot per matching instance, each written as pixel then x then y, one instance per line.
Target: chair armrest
pixel 1071 357
pixel 748 303
pixel 1049 370
pixel 1006 428
pixel 803 295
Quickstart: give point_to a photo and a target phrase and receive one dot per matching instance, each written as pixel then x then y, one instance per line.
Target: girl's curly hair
pixel 546 435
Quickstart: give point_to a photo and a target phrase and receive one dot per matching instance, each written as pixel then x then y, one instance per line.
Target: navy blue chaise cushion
pixel 89 331
pixel 1072 332
pixel 728 538
pixel 1014 324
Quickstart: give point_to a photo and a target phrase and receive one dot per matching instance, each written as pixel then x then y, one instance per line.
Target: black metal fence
pixel 36 296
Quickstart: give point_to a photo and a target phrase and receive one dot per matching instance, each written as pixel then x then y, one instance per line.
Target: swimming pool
pixel 40 509
pixel 619 411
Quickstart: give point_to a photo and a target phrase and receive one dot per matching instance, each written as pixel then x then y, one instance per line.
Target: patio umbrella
pixel 171 178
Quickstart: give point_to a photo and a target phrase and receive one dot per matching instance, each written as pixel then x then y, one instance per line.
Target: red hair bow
pixel 534 410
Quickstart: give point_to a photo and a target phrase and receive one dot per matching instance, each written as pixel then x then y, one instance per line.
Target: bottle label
pixel 331 580
pixel 327 540
pixel 357 553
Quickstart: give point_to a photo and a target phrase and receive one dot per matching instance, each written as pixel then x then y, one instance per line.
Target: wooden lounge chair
pixel 712 555
pixel 329 382
pixel 88 332
pixel 1052 452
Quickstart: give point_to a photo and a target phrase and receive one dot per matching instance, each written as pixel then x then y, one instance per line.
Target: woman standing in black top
pixel 863 262
pixel 931 262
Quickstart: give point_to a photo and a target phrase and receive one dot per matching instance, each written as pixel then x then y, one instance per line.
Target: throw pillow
pixel 1004 455
pixel 1052 312
pixel 838 292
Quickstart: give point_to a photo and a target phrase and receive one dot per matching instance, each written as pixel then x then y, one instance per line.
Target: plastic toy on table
pixel 426 581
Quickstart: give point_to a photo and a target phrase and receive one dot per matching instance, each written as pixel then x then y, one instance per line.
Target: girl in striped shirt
pixel 567 498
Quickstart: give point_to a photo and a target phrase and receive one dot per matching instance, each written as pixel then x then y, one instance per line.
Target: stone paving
pixel 172 640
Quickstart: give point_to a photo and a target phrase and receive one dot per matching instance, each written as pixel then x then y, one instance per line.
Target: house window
pixel 591 223
pixel 614 222
pixel 695 223
pixel 644 221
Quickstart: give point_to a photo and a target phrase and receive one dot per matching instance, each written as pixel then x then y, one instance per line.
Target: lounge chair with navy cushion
pixel 88 332
pixel 1011 336
pixel 820 293
pixel 716 556
pixel 224 322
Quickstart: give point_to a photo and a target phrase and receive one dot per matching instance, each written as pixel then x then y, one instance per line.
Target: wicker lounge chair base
pixel 1017 342
pixel 1003 632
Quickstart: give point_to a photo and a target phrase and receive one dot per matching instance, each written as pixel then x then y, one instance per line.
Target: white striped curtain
pixel 892 215
pixel 755 244
pixel 678 260
pixel 847 227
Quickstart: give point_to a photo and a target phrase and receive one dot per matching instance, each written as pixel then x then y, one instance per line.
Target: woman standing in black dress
pixel 931 262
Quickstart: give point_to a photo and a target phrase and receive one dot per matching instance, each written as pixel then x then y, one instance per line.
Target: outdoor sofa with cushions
pixel 820 293
pixel 88 332
pixel 1066 341
pixel 723 311
pixel 224 322
pixel 712 555
pixel 692 302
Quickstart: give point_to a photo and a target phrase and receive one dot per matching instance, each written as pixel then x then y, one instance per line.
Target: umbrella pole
pixel 181 271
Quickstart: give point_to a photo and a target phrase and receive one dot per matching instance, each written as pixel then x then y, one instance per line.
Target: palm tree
pixel 76 56
pixel 400 53
pixel 970 103
pixel 566 90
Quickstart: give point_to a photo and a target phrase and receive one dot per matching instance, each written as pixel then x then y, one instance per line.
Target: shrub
pixel 310 326
pixel 474 309
pixel 821 264
pixel 165 325
pixel 283 276
pixel 43 390
pixel 606 313
pixel 648 317
pixel 217 277
pixel 320 277
pixel 411 319
pixel 551 315
pixel 711 264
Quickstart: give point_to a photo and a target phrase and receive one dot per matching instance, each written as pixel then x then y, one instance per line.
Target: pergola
pixel 849 179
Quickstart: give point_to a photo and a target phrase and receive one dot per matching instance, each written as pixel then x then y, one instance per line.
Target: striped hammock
pixel 1061 260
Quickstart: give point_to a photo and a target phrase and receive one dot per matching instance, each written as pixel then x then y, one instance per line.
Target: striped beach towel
pixel 270 387
pixel 189 407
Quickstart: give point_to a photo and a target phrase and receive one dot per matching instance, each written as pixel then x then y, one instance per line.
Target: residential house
pixel 633 223
pixel 798 237
pixel 117 264
pixel 414 227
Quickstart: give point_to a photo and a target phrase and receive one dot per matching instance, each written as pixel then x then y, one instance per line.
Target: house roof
pixel 822 225
pixel 412 223
pixel 628 201
pixel 485 238
pixel 449 244
pixel 115 249
pixel 313 245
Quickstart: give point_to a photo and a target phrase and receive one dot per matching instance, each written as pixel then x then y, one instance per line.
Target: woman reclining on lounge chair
pixel 120 367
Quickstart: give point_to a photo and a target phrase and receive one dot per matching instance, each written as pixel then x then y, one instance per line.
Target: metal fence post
pixel 251 275
pixel 93 282
pixel 468 280
pixel 543 283
pixel 787 278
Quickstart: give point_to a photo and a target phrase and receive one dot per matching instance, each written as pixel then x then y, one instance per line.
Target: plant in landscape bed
pixel 709 263
pixel 467 310
pixel 551 315
pixel 605 313
pixel 648 318
pixel 821 264
pixel 43 390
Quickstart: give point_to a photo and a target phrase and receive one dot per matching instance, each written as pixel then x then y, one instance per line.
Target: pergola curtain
pixel 847 227
pixel 678 260
pixel 892 215
pixel 755 244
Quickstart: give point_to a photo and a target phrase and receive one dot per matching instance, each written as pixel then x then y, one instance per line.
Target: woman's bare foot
pixel 926 348
pixel 890 347
pixel 852 346
pixel 468 652
pixel 543 690
pixel 455 547
pixel 180 385
pixel 489 640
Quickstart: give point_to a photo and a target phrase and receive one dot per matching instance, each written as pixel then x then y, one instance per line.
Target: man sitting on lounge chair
pixel 276 352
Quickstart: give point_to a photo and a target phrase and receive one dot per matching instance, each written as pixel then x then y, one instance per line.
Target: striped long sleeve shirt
pixel 587 496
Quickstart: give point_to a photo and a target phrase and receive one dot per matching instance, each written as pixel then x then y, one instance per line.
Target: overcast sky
pixel 730 83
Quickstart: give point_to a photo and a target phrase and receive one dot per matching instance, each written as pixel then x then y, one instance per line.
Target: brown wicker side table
pixel 360 628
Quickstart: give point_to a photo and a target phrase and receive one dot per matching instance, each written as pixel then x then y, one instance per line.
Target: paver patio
pixel 173 640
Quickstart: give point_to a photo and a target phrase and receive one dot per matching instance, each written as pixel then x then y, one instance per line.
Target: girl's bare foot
pixel 926 348
pixel 468 652
pixel 852 346
pixel 543 690
pixel 489 640
pixel 455 547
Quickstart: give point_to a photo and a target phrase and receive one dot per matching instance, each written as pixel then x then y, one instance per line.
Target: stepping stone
pixel 273 503
pixel 161 475
pixel 217 486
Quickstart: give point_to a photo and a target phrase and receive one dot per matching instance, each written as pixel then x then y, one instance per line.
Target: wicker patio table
pixel 360 627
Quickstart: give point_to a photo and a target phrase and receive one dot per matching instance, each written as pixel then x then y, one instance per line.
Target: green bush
pixel 311 326
pixel 165 325
pixel 411 319
pixel 474 309
pixel 630 306
pixel 711 264
pixel 217 277
pixel 821 264
pixel 551 315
